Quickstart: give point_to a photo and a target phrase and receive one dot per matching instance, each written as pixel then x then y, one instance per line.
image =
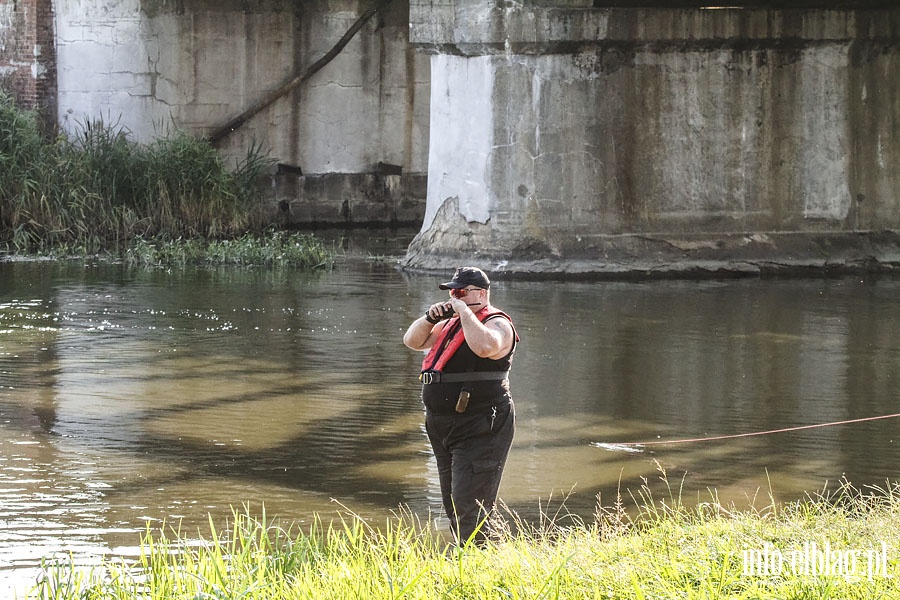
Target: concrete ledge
pixel 471 28
pixel 662 256
pixel 348 199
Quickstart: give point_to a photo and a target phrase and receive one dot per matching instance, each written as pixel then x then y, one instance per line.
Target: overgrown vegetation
pixel 275 248
pixel 99 192
pixel 664 550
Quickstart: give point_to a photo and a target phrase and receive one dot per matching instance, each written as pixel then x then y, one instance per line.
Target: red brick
pixel 26 25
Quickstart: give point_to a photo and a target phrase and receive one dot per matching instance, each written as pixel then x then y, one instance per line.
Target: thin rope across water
pixel 633 446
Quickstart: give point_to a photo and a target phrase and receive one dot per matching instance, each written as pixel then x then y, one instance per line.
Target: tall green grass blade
pixel 665 551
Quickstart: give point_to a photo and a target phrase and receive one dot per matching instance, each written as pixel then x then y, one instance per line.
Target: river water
pixel 131 398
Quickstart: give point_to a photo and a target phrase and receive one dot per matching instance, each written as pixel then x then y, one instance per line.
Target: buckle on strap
pixel 429 377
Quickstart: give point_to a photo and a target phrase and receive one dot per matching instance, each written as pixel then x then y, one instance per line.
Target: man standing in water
pixel 469 413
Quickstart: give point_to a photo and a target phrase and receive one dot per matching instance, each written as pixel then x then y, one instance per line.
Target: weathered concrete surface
pixel 656 255
pixel 350 199
pixel 150 65
pixel 565 139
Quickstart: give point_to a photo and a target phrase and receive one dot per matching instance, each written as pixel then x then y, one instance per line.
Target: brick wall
pixel 28 54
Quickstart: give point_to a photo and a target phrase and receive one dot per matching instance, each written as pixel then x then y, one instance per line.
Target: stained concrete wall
pixel 151 65
pixel 600 139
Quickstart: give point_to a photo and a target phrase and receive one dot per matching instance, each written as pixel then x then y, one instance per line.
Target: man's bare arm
pixel 493 339
pixel 422 334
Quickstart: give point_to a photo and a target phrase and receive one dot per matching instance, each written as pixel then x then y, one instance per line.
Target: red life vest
pixel 452 337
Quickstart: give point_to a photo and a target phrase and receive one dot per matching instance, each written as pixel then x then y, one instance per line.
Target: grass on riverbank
pixel 173 201
pixel 827 547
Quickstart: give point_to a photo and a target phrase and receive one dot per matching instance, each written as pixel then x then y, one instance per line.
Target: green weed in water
pixel 271 249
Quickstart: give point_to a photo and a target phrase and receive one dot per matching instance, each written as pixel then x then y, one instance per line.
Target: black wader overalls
pixel 470 447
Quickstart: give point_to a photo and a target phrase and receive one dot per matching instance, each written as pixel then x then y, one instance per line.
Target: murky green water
pixel 135 397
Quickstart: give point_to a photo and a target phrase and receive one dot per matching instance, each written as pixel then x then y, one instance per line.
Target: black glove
pixel 446 312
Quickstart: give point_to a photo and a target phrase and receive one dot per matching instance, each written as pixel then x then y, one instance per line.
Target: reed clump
pixel 99 192
pixel 662 549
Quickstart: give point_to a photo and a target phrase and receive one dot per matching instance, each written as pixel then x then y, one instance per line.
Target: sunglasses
pixel 462 292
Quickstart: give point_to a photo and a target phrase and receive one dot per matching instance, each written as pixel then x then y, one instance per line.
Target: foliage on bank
pixel 663 550
pixel 99 192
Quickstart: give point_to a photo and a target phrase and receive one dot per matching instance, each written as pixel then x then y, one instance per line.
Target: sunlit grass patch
pixel 662 550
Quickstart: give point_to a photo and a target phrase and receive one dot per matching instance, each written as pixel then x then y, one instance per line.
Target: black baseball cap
pixel 467 276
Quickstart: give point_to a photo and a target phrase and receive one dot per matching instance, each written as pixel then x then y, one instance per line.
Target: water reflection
pixel 133 397
pixel 687 359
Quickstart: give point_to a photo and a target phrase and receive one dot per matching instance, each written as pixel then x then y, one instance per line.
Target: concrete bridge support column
pixel 568 139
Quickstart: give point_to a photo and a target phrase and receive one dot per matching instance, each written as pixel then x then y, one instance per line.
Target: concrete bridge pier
pixel 609 141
